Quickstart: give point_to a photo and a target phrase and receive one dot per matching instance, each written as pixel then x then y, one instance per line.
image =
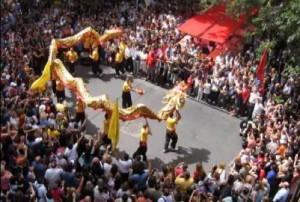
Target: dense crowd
pixel 46 157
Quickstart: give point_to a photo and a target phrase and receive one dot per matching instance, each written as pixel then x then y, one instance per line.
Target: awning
pixel 221 30
pixel 197 25
pixel 213 25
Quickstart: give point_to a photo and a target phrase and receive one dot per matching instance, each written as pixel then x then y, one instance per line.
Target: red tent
pixel 213 25
pixel 197 25
pixel 222 29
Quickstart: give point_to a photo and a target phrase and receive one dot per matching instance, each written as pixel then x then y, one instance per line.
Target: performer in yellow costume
pixel 119 58
pixel 171 134
pixel 126 95
pixel 95 61
pixel 142 149
pixel 80 108
pixel 60 91
pixel 105 139
pixel 72 58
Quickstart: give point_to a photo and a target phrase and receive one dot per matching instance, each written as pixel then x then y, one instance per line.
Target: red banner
pixel 260 71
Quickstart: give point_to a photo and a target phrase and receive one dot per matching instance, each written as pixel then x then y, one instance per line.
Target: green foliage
pixel 280 24
pixel 293 71
pixel 279 100
pixel 238 7
pixel 264 45
pixel 206 4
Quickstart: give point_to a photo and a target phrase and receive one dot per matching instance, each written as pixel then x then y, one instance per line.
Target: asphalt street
pixel 206 134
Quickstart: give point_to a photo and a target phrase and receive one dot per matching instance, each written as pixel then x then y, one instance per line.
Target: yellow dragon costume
pixel 54 68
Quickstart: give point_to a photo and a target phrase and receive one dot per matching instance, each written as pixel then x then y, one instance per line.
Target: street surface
pixel 206 134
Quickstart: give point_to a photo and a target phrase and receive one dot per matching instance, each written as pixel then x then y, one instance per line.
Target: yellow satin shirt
pixel 53 133
pixel 144 135
pixel 119 57
pixel 171 123
pixel 72 56
pixel 126 86
pixel 105 126
pixel 59 86
pixel 122 47
pixel 95 54
pixel 87 43
pixel 80 107
pixel 183 184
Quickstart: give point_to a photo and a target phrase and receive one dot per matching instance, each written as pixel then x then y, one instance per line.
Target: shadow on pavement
pixel 84 72
pixel 107 76
pixel 187 155
pixel 91 129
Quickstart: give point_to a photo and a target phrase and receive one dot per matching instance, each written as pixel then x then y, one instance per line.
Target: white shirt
pixel 124 166
pixel 272 147
pixel 52 122
pixel 223 177
pixel 219 59
pixel 41 191
pixel 207 88
pixel 14 121
pixel 99 197
pixel 287 89
pixel 258 109
pixel 134 53
pixel 165 199
pixel 281 195
pixel 215 85
pixel 107 168
pixel 142 55
pixel 230 77
pixel 52 176
pixel 72 154
pixel 253 97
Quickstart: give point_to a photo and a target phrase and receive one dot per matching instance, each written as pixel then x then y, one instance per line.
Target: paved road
pixel 205 134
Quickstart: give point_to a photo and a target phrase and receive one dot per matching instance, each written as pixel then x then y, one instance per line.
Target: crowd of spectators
pixel 46 157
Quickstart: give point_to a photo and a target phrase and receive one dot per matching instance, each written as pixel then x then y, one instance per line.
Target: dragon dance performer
pixel 60 91
pixel 72 58
pixel 96 61
pixel 119 61
pixel 126 95
pixel 142 149
pixel 105 139
pixel 171 134
pixel 80 111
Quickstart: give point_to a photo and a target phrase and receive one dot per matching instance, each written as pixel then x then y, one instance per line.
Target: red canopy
pixel 196 25
pixel 222 29
pixel 213 25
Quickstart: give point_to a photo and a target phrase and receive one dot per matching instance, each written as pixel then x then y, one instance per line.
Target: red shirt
pixel 179 171
pixel 245 94
pixel 57 194
pixel 261 174
pixel 196 175
pixel 151 59
pixel 190 81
